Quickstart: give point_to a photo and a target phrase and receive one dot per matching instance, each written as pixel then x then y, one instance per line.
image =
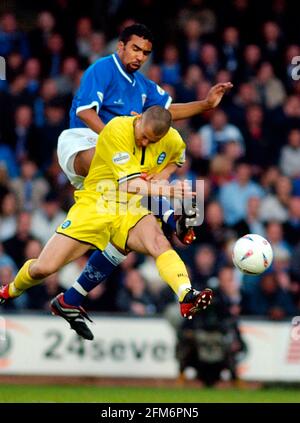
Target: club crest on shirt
pixel 161 158
pixel 121 157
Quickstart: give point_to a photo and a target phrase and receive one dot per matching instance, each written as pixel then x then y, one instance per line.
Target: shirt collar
pixel 121 68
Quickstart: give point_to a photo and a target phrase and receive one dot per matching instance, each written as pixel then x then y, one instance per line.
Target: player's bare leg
pixel 147 238
pixel 58 251
pixel 83 160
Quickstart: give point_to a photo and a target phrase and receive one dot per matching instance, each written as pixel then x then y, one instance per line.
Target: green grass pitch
pixel 85 394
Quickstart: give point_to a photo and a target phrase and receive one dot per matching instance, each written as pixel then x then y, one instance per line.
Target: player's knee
pixel 160 244
pixel 40 270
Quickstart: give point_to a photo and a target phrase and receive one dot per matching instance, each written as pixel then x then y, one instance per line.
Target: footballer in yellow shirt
pixel 98 214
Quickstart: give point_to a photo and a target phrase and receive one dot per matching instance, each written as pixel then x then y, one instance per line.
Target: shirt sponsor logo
pixel 66 224
pixel 119 102
pixel 161 158
pixel 121 158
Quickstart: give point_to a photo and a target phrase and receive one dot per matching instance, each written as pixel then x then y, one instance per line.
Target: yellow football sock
pixel 22 281
pixel 173 271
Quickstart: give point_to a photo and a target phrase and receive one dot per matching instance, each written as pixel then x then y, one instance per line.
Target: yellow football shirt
pixel 119 159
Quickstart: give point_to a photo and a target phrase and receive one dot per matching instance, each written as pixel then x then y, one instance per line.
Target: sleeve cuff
pixel 128 177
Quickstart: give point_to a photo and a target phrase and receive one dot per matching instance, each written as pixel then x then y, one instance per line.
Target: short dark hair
pixel 136 29
pixel 161 119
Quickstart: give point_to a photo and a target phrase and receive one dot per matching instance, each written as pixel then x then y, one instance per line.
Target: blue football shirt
pixel 112 91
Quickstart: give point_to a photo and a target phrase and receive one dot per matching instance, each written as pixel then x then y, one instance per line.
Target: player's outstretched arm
pixel 163 175
pixel 91 119
pixel 213 98
pixel 146 188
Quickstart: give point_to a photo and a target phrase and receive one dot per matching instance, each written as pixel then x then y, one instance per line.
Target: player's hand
pixel 157 178
pixel 216 93
pixel 181 189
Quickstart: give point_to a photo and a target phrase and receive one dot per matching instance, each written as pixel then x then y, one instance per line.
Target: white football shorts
pixel 70 142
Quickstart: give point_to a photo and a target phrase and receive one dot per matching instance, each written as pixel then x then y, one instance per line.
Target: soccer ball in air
pixel 252 254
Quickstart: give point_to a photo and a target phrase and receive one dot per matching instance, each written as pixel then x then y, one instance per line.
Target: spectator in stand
pixel 259 151
pixel 283 119
pixel 154 73
pixel 11 38
pixel 47 218
pixel 250 63
pixel 268 299
pixel 197 9
pixel 84 31
pixel 15 65
pixel 291 227
pixel 40 296
pixel 246 95
pixel 25 138
pixel 8 216
pixel 271 90
pixel 66 82
pixel 230 49
pixel 199 165
pixel 55 123
pixel 221 170
pixel 272 45
pixel 274 234
pixel 217 133
pixel 53 55
pixel 8 161
pixel 29 188
pixel 32 73
pixel 234 195
pixel 209 61
pixel 191 41
pixel 15 246
pixel 290 155
pixel 71 271
pixel 186 88
pixel 6 260
pixel 275 205
pixel 134 297
pixel 39 36
pixel 170 66
pixel 97 47
pixel 252 223
pixel 213 230
pixel 48 92
pixel 269 178
pixel 228 295
pixel 205 266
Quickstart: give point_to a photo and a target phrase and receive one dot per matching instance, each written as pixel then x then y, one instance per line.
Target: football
pixel 252 254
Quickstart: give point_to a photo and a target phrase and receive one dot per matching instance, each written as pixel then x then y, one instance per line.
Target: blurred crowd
pixel 247 151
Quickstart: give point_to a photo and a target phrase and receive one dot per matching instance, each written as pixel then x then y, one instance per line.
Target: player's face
pixel 134 53
pixel 144 134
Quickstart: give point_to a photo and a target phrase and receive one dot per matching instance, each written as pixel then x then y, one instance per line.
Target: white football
pixel 252 254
